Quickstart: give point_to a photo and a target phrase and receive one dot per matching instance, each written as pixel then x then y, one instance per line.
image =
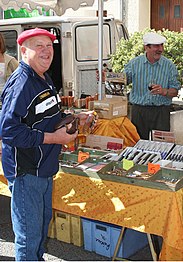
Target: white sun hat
pixel 152 38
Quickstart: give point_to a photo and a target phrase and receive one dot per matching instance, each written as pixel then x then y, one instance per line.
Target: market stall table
pixel 152 211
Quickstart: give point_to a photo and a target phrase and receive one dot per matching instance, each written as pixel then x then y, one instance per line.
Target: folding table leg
pixel 153 252
pixel 118 244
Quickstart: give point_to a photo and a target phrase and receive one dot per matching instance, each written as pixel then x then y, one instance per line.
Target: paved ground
pixel 57 250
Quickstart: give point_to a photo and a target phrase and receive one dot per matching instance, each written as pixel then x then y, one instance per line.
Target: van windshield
pixel 87 42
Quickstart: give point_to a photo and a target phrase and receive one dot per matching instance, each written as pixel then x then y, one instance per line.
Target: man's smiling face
pixel 154 52
pixel 37 52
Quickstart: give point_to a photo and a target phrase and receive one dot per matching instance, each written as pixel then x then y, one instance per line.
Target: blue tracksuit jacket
pixel 29 108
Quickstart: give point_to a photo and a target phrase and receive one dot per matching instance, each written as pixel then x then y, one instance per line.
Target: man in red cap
pixel 31 143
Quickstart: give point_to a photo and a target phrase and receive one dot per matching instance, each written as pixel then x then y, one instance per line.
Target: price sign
pixel 82 156
pixel 127 164
pixel 153 168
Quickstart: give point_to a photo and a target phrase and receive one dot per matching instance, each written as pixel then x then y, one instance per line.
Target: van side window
pixel 87 42
pixel 122 31
pixel 11 42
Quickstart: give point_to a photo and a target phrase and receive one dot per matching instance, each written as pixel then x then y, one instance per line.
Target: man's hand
pixel 156 89
pixel 60 136
pixel 71 123
pixel 85 117
pixel 159 90
pixel 88 120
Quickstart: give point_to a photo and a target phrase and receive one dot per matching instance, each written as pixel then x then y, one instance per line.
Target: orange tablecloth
pixel 120 127
pixel 147 210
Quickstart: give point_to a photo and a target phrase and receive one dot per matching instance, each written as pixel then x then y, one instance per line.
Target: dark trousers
pixel 148 118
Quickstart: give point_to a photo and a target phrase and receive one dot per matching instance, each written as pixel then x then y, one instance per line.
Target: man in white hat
pixel 154 83
pixel 32 143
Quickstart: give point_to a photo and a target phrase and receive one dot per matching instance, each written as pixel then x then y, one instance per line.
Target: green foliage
pixel 128 49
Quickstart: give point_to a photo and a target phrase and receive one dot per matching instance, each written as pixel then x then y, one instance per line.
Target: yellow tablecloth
pixel 120 127
pixel 148 210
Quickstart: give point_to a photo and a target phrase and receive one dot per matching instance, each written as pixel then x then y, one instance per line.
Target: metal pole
pixel 1 13
pixel 100 47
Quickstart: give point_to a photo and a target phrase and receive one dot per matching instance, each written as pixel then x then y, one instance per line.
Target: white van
pixel 73 69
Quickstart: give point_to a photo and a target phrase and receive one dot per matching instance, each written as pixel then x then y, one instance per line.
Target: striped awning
pixel 58 6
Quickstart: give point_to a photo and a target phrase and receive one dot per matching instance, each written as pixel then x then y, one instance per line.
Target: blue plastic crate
pixel 97 236
pixel 102 238
pixel 132 241
pixel 88 233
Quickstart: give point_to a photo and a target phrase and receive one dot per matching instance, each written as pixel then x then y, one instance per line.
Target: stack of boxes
pixel 95 235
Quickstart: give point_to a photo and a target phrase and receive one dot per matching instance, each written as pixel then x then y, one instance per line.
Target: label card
pixel 153 168
pixel 83 156
pixel 127 164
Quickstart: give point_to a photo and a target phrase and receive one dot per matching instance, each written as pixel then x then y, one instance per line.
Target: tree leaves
pixel 128 49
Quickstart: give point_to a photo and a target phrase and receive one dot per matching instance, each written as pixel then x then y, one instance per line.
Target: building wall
pixel 114 7
pixel 132 18
pixel 144 14
pixel 138 15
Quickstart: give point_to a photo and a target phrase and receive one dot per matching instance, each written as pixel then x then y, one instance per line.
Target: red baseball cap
pixel 34 32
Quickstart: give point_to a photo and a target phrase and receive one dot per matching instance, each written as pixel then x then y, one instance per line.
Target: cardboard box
pixel 115 98
pixel 163 136
pixel 76 231
pixel 63 226
pixel 104 142
pixel 68 228
pixel 111 107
